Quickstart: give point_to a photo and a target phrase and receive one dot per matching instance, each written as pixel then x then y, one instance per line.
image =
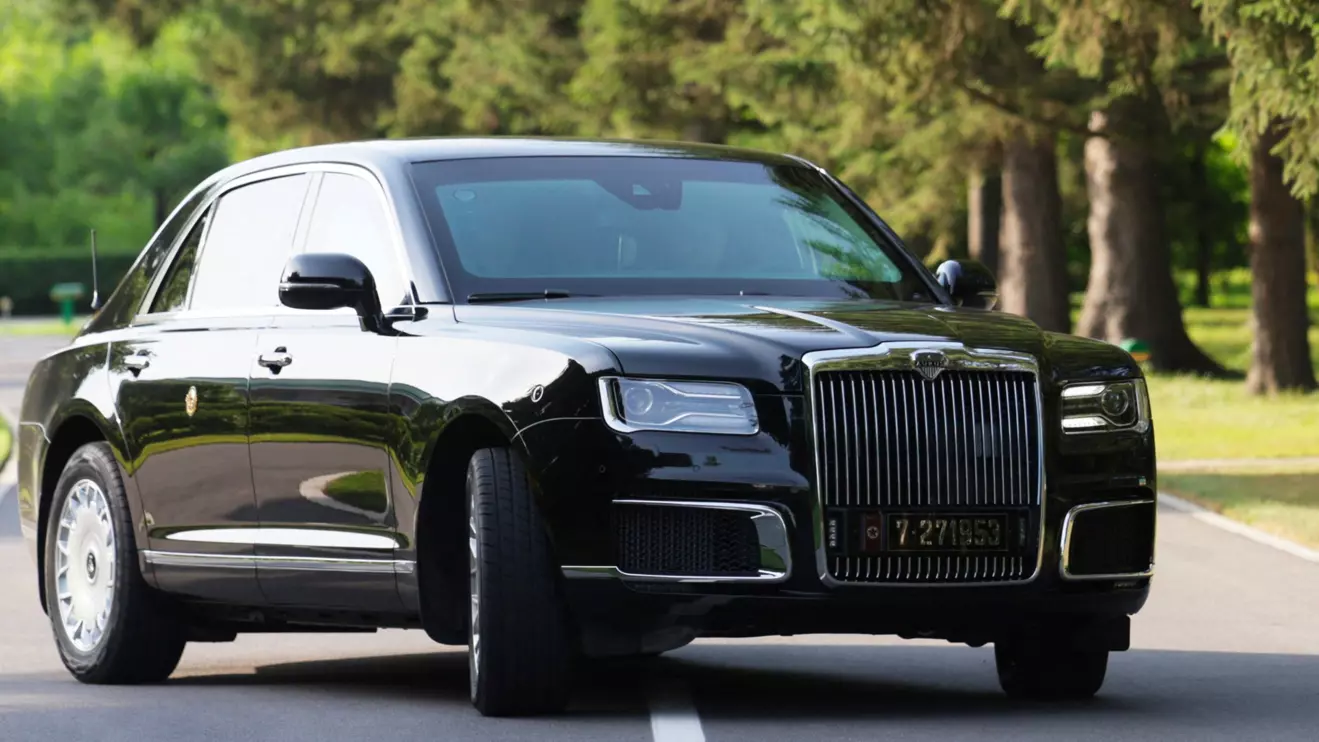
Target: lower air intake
pixel 685 541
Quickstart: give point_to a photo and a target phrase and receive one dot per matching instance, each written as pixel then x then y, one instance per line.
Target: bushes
pixel 26 275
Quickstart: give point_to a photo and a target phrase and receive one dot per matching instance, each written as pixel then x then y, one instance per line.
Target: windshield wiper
pixel 498 296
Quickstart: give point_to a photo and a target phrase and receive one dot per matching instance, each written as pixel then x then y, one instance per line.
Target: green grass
pixel 1280 499
pixel 6 442
pixel 43 327
pixel 1200 418
pixel 364 490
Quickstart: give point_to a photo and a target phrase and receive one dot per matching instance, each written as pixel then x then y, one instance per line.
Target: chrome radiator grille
pixel 893 439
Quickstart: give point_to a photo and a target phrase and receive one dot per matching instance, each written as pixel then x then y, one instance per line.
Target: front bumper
pixel 583 469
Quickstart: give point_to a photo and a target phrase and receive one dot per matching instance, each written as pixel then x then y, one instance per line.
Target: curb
pixel 1205 515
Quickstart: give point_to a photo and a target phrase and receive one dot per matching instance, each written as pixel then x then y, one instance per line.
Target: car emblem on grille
pixel 929 363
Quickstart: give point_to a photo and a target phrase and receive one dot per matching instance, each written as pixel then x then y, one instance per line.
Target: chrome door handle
pixel 136 363
pixel 275 361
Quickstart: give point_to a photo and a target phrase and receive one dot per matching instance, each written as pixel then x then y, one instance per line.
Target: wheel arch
pixel 78 426
pixel 440 530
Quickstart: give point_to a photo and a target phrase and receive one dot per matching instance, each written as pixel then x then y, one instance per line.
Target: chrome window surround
pixel 898 356
pixel 771 529
pixel 1070 519
pixel 278 563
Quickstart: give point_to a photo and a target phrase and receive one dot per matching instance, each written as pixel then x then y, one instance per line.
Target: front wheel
pixel 109 625
pixel 1049 671
pixel 519 641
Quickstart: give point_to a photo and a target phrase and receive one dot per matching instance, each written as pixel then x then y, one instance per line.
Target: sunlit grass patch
pixel 1280 499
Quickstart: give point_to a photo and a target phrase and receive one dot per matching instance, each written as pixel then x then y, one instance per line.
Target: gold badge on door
pixel 190 401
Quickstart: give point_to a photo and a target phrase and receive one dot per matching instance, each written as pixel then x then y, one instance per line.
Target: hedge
pixel 27 274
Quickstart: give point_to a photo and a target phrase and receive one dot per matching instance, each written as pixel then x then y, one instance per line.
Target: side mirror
pixel 969 283
pixel 330 281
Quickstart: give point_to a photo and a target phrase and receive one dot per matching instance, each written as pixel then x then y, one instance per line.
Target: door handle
pixel 277 360
pixel 137 362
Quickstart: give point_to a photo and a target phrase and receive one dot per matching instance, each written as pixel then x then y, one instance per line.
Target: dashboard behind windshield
pixel 650 225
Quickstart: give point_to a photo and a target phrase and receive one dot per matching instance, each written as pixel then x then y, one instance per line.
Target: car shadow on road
pixel 1220 690
pixel 603 690
pixel 1221 693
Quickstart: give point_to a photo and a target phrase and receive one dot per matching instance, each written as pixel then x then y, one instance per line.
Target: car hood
pixel 758 340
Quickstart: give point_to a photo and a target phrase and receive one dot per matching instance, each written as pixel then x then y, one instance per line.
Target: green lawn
pixel 364 490
pixel 1280 499
pixel 41 327
pixel 1196 418
pixel 6 442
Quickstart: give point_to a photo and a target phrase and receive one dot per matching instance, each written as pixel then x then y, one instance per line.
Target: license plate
pixel 921 532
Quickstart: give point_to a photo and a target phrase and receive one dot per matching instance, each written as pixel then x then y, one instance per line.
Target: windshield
pixel 650 225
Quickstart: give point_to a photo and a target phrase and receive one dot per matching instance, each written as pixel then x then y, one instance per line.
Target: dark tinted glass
pixel 350 218
pixel 648 225
pixel 122 306
pixel 173 292
pixel 250 240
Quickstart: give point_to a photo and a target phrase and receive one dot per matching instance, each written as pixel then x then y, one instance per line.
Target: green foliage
pixel 95 133
pixel 26 275
pixel 1275 76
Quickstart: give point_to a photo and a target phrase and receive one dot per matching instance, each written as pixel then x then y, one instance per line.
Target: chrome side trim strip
pixel 771 531
pixel 899 355
pixel 1069 521
pixel 304 564
pixel 306 537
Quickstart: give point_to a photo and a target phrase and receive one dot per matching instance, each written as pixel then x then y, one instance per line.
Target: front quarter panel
pixel 66 390
pixel 511 379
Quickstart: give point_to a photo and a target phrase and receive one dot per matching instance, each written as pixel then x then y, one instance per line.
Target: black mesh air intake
pixel 1112 540
pixel 684 540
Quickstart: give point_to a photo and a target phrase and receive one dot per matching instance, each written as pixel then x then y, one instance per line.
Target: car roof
pixel 381 152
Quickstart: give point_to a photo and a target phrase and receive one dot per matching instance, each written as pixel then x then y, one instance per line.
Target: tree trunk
pixel 985 204
pixel 1280 353
pixel 1204 239
pixel 1033 261
pixel 1131 294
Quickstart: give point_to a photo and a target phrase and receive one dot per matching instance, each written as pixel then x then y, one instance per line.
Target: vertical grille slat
pixel 967 440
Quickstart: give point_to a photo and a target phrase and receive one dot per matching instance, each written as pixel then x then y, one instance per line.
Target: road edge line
pixel 1207 516
pixel 673 716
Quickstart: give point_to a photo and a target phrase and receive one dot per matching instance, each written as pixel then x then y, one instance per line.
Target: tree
pixel 1275 109
pixel 1151 66
pixel 1034 263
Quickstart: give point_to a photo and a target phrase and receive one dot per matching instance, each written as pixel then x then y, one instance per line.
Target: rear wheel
pixel 110 626
pixel 519 642
pixel 1050 671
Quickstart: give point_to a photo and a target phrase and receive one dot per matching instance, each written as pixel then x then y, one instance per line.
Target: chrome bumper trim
pixel 1069 521
pixel 771 530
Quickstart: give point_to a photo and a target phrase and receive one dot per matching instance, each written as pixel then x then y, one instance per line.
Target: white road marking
pixel 1205 515
pixel 673 716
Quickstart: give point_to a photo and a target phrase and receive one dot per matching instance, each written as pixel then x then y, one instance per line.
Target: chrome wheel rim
pixel 85 565
pixel 474 584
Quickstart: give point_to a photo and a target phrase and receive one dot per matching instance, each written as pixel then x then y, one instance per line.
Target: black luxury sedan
pixel 561 400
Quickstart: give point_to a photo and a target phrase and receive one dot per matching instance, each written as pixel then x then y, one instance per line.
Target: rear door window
pixel 250 240
pixel 173 292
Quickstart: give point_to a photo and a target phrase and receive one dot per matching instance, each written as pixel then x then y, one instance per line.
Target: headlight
pixel 679 406
pixel 1108 406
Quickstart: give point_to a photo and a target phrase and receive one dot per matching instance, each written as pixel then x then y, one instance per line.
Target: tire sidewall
pixel 473 511
pixel 89 462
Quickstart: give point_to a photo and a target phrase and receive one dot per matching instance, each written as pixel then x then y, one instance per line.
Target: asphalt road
pixel 1227 648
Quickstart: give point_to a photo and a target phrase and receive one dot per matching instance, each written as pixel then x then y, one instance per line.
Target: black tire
pixel 1040 671
pixel 143 638
pixel 522 665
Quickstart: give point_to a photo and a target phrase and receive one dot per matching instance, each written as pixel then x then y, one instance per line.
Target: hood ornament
pixel 929 363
